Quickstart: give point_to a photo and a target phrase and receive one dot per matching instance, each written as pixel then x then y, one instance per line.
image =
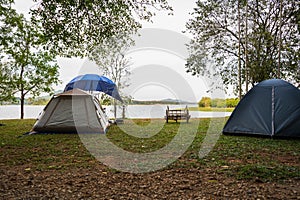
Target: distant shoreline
pixel 132 111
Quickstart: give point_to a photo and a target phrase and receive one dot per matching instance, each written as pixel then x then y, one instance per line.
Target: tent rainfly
pixel 94 82
pixel 271 108
pixel 74 111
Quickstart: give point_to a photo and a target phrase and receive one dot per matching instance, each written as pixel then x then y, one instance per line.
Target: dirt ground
pixel 100 182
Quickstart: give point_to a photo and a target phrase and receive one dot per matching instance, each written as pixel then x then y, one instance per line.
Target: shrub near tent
pixel 271 108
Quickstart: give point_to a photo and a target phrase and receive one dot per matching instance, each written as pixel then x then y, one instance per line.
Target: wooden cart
pixel 177 114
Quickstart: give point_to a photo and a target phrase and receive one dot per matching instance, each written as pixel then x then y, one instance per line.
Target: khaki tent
pixel 74 111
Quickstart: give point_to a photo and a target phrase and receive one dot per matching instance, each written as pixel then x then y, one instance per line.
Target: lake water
pixel 132 111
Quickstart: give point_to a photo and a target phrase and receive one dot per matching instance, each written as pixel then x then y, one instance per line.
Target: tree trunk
pixel 280 40
pixel 246 50
pixel 22 105
pixel 22 88
pixel 123 111
pixel 115 109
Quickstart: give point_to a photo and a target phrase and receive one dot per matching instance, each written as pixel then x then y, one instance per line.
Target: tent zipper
pixel 273 111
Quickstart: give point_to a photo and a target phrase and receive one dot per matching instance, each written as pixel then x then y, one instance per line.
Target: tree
pixel 216 40
pixel 75 27
pixel 27 68
pixel 205 102
pixel 110 57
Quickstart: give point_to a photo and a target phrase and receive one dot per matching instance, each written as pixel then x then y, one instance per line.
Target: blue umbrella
pixel 94 82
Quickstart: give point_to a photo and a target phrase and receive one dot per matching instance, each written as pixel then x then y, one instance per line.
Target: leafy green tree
pixel 27 67
pixel 74 27
pixel 216 41
pixel 205 102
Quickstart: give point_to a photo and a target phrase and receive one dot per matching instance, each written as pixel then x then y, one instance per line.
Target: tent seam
pixel 273 111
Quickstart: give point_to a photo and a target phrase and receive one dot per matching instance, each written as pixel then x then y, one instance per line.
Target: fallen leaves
pixel 102 183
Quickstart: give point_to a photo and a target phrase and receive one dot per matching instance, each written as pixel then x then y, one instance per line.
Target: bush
pixel 232 102
pixel 218 103
pixel 205 102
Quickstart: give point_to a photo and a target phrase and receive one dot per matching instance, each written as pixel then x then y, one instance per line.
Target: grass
pixel 233 156
pixel 211 109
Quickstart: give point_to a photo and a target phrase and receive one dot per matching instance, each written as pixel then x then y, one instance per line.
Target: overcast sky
pixel 69 68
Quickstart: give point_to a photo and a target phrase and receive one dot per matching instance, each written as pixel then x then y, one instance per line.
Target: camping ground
pixel 58 166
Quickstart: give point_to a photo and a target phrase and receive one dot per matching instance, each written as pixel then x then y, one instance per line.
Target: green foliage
pixel 26 67
pixel 74 28
pixel 232 102
pixel 218 103
pixel 205 102
pixel 215 42
pixel 37 101
pixel 6 93
pixel 105 100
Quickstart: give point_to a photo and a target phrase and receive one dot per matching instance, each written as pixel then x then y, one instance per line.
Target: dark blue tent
pixel 271 108
pixel 94 82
